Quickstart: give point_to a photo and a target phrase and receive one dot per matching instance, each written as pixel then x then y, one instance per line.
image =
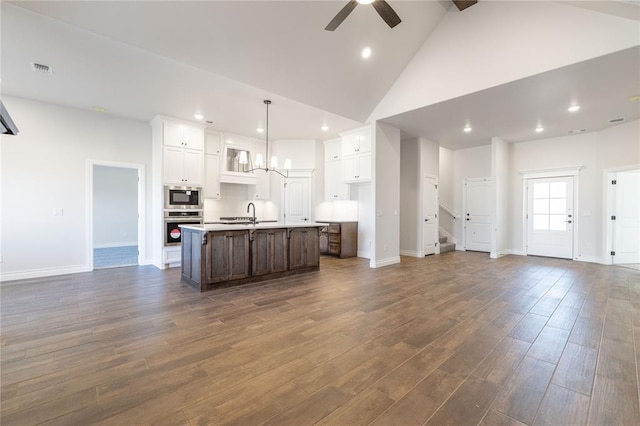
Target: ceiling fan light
pixel 365 1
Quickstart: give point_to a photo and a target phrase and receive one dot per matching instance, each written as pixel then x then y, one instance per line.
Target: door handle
pixel 426 220
pixel 468 219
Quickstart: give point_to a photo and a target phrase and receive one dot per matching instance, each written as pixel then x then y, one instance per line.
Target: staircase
pixel 445 245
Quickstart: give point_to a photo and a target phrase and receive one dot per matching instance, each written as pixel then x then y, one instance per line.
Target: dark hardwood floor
pixel 454 339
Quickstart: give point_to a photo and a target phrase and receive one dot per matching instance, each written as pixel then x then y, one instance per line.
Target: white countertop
pixel 248 227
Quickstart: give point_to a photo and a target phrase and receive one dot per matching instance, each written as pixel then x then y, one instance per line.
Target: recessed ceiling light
pixel 539 129
pixel 99 109
pixel 324 128
pixel 574 108
pixel 259 130
pixel 198 116
pixel 634 98
pixel 366 52
pixel 467 128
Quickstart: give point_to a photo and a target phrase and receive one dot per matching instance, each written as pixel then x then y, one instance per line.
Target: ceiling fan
pixel 385 11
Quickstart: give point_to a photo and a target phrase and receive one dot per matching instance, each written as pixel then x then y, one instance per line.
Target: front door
pixel 626 235
pixel 429 209
pixel 297 205
pixel 478 196
pixel 550 217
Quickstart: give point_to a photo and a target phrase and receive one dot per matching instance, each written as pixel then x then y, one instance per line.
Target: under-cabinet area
pixel 219 255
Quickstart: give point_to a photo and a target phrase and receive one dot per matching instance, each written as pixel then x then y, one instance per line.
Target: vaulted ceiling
pixel 222 58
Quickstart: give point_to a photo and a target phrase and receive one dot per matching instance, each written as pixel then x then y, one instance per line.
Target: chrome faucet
pixel 253 218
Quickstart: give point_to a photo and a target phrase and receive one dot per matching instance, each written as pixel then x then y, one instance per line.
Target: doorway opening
pixel 115 205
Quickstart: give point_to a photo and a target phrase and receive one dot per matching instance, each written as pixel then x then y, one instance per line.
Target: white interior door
pixel 297 201
pixel 430 209
pixel 550 217
pixel 626 226
pixel 478 220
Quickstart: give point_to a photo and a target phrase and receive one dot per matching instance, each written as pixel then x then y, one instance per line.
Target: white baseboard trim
pixel 364 254
pixel 121 244
pixel 384 262
pixel 517 252
pixel 501 253
pixel 590 259
pixel 411 253
pixel 44 272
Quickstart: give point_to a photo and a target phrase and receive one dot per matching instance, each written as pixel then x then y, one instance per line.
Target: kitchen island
pixel 222 255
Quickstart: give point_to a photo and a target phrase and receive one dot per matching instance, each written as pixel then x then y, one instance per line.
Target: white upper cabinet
pixel 334 186
pixel 356 155
pixel 212 143
pixel 333 150
pixel 182 166
pixel 212 176
pixel 183 136
pixel 356 141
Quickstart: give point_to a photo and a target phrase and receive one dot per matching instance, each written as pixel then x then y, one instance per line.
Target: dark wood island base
pixel 216 257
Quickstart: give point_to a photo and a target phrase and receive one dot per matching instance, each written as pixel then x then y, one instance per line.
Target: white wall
pixel 44 167
pixel 617 146
pixel 362 194
pixel 410 208
pixel 525 38
pixel 386 195
pixel 500 167
pixel 115 206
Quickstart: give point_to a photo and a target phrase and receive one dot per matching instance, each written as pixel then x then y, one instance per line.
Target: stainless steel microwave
pixel 182 197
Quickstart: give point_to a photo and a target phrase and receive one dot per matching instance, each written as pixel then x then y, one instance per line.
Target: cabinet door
pixel 212 176
pixel 334 186
pixel 172 134
pixel 173 165
pixel 269 251
pixel 262 189
pixel 364 167
pixel 350 168
pixel 192 171
pixel 364 141
pixel 350 145
pixel 193 138
pixel 304 248
pixel 212 143
pixel 333 150
pixel 217 257
pixel 238 254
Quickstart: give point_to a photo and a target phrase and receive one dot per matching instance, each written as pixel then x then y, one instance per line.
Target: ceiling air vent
pixel 616 120
pixel 46 69
pixel 573 132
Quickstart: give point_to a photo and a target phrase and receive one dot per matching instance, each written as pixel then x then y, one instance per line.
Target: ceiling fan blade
pixel 386 12
pixel 463 4
pixel 342 15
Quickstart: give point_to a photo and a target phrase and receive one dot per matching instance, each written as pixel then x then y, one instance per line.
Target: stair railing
pixel 449 211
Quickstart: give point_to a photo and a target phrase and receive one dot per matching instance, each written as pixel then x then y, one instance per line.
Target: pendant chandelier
pixel 260 163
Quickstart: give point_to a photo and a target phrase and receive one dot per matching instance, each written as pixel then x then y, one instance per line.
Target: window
pixel 550 206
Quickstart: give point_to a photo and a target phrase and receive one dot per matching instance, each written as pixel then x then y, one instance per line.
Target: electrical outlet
pixel 384 247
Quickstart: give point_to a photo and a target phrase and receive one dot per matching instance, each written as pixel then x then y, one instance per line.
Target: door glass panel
pixel 541 206
pixel 558 190
pixel 557 222
pixel 540 190
pixel 558 206
pixel 540 222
